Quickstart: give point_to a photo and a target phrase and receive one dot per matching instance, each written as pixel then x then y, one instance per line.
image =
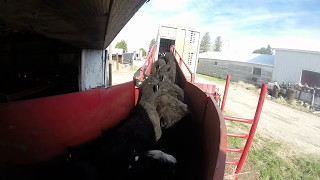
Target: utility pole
pixel 117 62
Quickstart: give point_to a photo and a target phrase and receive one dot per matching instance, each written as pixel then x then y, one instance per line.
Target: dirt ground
pixel 295 127
pixel 125 74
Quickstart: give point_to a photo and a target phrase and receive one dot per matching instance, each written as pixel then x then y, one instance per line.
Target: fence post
pixel 225 93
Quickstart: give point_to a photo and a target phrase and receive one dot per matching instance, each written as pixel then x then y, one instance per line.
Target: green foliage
pixel 143 51
pixel 152 42
pixel 122 45
pixel 264 50
pixel 205 43
pixel 217 44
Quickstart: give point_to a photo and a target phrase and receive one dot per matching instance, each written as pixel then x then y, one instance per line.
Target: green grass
pixel 135 68
pixel 212 79
pixel 272 160
pixel 220 81
pixel 240 126
pixel 294 104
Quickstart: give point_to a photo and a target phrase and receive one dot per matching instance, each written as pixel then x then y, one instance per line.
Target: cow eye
pixel 155 88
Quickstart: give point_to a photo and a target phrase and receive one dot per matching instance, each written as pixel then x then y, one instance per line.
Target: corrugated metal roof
pixel 249 58
pixel 297 50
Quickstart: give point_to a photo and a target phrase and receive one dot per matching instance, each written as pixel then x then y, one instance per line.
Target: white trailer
pixel 185 40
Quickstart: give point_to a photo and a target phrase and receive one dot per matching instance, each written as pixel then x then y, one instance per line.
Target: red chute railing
pixel 174 51
pixel 150 60
pixel 209 89
pixel 253 122
pixel 225 93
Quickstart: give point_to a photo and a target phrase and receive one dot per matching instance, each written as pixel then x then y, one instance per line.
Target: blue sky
pixel 244 25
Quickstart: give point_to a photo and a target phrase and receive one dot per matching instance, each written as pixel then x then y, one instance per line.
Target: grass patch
pixel 242 126
pixel 271 160
pixel 213 79
pixel 254 89
pixel 135 68
pixel 294 104
pixel 247 86
pixel 272 166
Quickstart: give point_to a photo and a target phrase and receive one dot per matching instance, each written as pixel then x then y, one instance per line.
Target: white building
pixel 297 66
pixel 251 68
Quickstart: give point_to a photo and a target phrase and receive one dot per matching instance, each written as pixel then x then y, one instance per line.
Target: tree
pixel 205 43
pixel 143 51
pixel 153 42
pixel 122 45
pixel 217 44
pixel 264 50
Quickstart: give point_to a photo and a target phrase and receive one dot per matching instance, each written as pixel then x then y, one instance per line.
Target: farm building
pixel 128 58
pixel 297 66
pixel 251 68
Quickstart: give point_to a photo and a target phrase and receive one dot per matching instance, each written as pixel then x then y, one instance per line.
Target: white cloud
pixel 242 30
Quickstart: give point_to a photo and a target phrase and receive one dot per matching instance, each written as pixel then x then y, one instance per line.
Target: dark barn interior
pixel 310 78
pixel 41 42
pixel 33 66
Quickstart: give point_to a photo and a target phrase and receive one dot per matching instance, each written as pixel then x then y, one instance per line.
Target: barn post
pixel 92 74
pixel 110 64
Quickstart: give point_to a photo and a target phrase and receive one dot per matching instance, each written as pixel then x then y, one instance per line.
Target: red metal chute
pixel 38 130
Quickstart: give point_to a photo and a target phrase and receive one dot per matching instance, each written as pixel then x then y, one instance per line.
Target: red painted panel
pixel 215 141
pixel 208 113
pixel 209 89
pixel 196 100
pixel 39 129
pixel 116 103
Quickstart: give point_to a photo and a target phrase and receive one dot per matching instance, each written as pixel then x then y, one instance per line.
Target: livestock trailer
pixel 185 40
